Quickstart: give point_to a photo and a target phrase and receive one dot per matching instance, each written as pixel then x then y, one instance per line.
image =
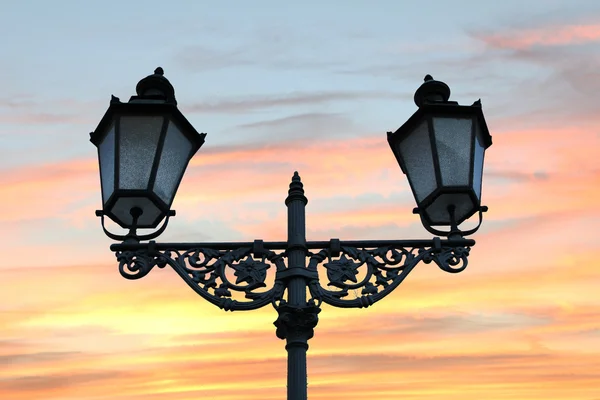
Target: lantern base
pixel 454 231
pixel 132 235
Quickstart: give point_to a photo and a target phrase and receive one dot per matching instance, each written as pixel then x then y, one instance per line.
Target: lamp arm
pixel 382 269
pixel 206 270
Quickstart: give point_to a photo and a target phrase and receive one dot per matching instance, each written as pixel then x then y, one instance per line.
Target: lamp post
pixel 144 147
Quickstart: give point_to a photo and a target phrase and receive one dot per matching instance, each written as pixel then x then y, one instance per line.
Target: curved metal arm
pixel 454 229
pixel 205 271
pixel 382 268
pixel 133 231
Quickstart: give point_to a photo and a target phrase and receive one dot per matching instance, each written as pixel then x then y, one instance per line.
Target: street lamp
pixel 144 147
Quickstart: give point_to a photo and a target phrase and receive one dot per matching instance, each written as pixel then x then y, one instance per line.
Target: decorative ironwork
pixel 296 323
pixel 137 264
pixel 214 273
pixel 382 270
pixel 206 270
pixel 449 259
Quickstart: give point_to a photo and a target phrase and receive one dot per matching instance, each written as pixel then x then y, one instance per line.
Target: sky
pixel 310 86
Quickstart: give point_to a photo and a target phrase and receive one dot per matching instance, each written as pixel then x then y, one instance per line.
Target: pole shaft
pixel 297 379
pixel 297 342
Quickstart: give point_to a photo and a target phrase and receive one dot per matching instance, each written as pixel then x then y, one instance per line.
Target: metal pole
pixel 297 344
pixel 296 318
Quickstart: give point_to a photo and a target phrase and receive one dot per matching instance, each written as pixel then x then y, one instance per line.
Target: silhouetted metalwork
pixel 349 274
pixel 381 266
pixel 205 269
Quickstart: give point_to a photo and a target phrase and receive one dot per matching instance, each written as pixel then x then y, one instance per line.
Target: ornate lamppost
pixel 144 147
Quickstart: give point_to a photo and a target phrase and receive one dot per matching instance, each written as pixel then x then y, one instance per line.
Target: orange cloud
pixel 45 191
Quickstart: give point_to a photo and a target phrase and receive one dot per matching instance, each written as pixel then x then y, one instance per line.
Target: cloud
pixel 204 58
pixel 330 377
pixel 31 358
pixel 521 39
pixel 50 383
pixel 249 53
pixel 24 110
pixel 315 126
pixel 546 76
pixel 560 78
pixel 516 176
pixel 41 118
pixel 46 190
pixel 229 171
pixel 293 120
pixel 273 46
pixel 295 99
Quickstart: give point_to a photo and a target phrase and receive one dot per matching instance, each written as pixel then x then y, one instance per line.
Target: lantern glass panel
pixel 138 141
pixel 478 161
pixel 453 139
pixel 173 160
pixel 106 153
pixel 415 152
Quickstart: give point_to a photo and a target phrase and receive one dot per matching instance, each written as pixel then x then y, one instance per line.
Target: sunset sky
pixel 310 86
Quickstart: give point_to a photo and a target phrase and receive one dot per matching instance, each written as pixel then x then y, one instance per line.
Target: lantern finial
pixel 432 91
pixel 156 87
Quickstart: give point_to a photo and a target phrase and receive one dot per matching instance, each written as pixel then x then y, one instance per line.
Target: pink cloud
pixel 547 36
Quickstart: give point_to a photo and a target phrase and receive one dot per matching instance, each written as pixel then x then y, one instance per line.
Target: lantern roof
pixel 142 108
pixel 155 95
pixel 447 109
pixel 432 99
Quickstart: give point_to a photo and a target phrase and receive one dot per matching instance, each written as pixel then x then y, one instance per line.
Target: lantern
pixel 144 147
pixel 441 150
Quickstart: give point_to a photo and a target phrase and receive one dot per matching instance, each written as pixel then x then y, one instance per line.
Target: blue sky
pixel 62 60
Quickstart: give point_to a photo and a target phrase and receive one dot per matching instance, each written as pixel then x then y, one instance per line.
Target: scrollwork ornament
pixel 206 271
pixel 137 264
pixel 449 259
pixel 383 269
